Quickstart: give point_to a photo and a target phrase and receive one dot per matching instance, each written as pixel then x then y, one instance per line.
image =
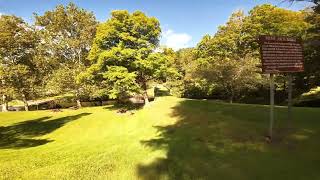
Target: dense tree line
pixel 67 51
pixel 225 65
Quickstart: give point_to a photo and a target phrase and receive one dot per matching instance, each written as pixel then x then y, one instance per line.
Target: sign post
pixel 289 100
pixel 280 54
pixel 271 105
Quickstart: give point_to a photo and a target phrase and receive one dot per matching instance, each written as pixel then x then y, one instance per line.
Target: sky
pixel 183 22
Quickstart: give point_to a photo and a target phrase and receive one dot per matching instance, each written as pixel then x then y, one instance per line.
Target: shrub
pixel 311 98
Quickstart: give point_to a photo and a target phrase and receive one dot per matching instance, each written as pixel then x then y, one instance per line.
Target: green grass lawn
pixel 171 139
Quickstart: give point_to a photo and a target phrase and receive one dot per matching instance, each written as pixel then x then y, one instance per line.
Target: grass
pixel 171 139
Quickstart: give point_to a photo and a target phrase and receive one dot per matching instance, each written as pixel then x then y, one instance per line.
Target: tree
pixel 64 80
pixel 123 54
pixel 270 20
pixel 225 63
pixel 184 59
pixel 67 34
pixel 229 41
pixel 313 42
pixel 311 77
pixel 18 72
pixel 231 76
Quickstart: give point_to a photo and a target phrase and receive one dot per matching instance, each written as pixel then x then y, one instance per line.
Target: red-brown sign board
pixel 281 54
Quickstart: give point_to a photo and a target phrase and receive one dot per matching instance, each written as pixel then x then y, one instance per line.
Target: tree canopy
pixel 18 70
pixel 67 34
pixel 123 54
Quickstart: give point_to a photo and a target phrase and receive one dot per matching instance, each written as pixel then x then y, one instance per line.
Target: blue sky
pixel 184 22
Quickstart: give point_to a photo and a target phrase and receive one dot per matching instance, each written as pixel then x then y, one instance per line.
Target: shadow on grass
pixel 161 92
pixel 125 106
pixel 223 141
pixel 21 135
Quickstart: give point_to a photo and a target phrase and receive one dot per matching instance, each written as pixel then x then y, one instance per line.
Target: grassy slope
pixel 171 139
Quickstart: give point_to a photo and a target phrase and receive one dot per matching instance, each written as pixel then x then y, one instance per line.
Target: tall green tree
pixel 271 20
pixel 18 71
pixel 122 55
pixel 184 59
pixel 67 35
pixel 231 77
pixel 311 77
pixel 225 61
pixel 228 42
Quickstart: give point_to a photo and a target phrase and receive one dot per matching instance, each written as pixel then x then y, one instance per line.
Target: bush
pixel 195 89
pixel 311 98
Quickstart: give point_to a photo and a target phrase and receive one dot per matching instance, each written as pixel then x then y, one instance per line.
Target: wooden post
pixel 289 100
pixel 271 105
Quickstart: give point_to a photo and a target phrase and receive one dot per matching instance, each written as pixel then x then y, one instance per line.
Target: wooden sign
pixel 281 54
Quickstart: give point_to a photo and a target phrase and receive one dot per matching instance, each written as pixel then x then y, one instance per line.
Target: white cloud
pixel 175 40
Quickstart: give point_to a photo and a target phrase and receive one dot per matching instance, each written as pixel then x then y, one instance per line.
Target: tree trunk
pixel 25 102
pixel 145 97
pixel 79 105
pixel 231 97
pixel 5 103
pixel 145 94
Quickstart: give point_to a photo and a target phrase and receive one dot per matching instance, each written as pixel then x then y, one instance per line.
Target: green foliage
pixel 122 54
pixel 313 93
pixel 311 77
pixel 231 77
pixel 229 58
pixel 184 60
pixel 224 63
pixel 67 51
pixel 228 42
pixel 19 75
pixel 132 31
pixel 67 34
pixel 311 98
pixel 21 78
pixel 271 20
pixel 238 36
pixel 64 80
pixel 198 89
pixel 160 66
pixel 120 83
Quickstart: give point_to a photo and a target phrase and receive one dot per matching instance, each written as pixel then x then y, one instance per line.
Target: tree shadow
pixel 125 106
pixel 24 134
pixel 223 141
pixel 161 92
